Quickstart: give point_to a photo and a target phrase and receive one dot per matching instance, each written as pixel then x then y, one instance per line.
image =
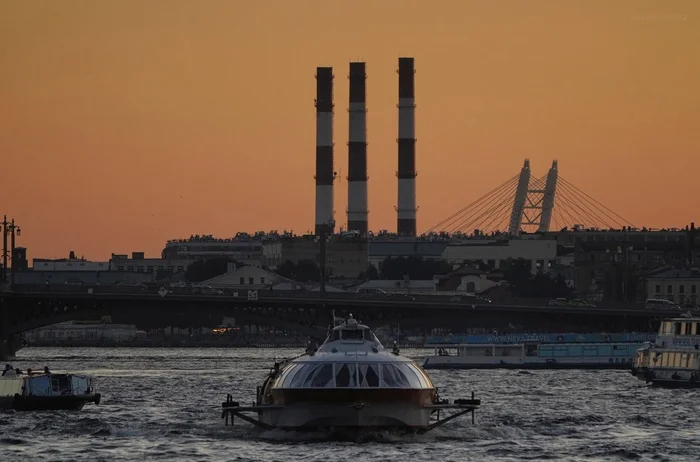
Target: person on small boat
pixel 46 370
pixel 9 371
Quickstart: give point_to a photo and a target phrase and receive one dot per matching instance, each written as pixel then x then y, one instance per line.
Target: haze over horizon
pixel 127 123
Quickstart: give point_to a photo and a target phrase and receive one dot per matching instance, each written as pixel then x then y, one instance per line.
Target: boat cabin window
pixel 352 334
pixel 313 376
pixel 368 375
pixel 60 384
pixel 345 375
pixel 81 385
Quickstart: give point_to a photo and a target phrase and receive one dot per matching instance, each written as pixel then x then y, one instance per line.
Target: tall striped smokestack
pixel 406 210
pixel 324 150
pixel 357 151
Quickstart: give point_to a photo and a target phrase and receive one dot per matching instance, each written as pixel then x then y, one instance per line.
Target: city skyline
pixel 128 124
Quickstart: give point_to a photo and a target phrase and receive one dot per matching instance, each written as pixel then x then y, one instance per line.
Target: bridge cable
pixel 467 222
pixel 450 219
pixel 594 201
pixel 585 216
pixel 504 195
pixel 491 194
pixel 581 201
pixel 500 215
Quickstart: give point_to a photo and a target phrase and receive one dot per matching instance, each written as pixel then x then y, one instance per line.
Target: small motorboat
pixel 349 382
pixel 45 391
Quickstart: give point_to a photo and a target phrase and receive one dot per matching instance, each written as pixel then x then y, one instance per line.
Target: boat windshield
pixel 352 334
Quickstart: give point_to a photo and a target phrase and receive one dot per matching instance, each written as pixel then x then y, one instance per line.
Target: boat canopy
pixel 406 375
pixel 58 385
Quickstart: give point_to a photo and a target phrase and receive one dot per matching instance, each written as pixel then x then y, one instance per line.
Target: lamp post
pixel 9 227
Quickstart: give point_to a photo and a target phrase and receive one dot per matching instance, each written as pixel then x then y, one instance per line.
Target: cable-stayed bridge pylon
pixel 529 204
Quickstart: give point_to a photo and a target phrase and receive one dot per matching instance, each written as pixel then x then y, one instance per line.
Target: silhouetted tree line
pixel 623 284
pixel 415 268
pixel 525 284
pixel 303 271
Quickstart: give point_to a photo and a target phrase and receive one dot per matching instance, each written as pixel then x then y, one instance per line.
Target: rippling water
pixel 166 404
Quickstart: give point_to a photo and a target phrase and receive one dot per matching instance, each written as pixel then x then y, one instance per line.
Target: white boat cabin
pixel 46 385
pixel 352 357
pixel 681 333
pixel 538 350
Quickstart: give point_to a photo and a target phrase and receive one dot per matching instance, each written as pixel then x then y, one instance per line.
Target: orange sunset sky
pixel 124 123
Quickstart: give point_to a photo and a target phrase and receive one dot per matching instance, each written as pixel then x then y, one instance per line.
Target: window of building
pixel 681 289
pixel 251 281
pixel 262 280
pixel 669 289
pixel 130 268
pixel 658 288
pixel 693 289
pixel 242 280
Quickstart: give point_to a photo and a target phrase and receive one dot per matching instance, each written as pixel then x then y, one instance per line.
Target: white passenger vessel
pixel 673 359
pixel 349 382
pixel 538 351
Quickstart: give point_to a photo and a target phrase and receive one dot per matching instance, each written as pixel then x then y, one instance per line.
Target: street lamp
pixel 9 227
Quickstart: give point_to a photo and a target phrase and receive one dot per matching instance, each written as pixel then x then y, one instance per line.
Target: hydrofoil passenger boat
pixel 349 382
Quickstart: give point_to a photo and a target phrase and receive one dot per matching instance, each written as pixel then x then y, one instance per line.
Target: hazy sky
pixel 127 123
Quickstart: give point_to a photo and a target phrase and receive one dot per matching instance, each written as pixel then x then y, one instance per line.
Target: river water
pixel 160 404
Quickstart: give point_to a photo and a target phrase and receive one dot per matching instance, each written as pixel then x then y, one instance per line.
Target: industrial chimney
pixel 357 151
pixel 406 210
pixel 324 150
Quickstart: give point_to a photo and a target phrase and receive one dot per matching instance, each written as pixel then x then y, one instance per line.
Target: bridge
pixel 309 315
pixel 531 204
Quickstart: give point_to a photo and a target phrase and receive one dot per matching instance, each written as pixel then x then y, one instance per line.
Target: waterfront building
pixel 540 253
pixel 243 247
pixel 680 286
pixel 346 254
pixel 72 263
pixel 138 263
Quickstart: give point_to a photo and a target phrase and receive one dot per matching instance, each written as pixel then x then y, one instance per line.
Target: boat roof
pixel 526 342
pixel 350 340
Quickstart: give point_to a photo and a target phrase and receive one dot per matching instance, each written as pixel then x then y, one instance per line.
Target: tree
pixel 369 275
pixel 415 268
pixel 541 285
pixel 302 271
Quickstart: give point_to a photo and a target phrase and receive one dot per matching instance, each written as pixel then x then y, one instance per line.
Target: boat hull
pixel 431 363
pixel 667 378
pixel 349 409
pixel 48 403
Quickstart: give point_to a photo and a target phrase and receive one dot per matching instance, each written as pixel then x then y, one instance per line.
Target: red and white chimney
pixel 324 150
pixel 358 212
pixel 406 209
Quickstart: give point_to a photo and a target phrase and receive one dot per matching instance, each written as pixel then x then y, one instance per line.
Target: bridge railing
pixel 153 290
